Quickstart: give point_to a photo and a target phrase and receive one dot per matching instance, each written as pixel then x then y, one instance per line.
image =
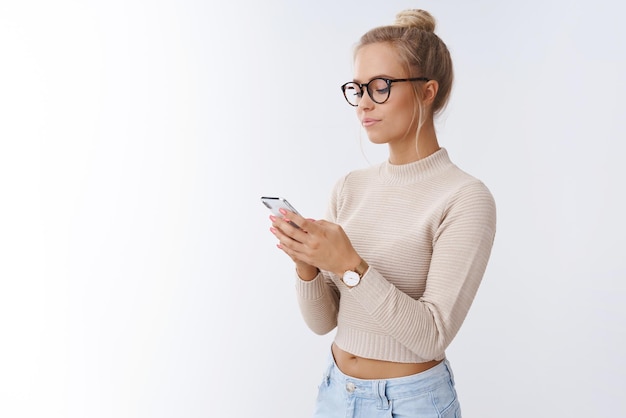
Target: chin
pixel 375 139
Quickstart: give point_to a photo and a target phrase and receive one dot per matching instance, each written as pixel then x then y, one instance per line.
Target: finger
pixel 284 226
pixel 290 226
pixel 286 239
pixel 305 224
pixel 291 217
pixel 286 251
pixel 289 248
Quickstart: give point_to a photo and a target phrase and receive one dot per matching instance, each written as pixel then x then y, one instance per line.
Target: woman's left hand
pixel 317 242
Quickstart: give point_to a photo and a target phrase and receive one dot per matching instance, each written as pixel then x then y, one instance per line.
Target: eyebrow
pixel 376 76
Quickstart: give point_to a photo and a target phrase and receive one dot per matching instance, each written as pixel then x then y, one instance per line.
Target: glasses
pixel 377 88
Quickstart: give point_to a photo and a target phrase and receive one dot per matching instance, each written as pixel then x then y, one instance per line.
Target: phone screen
pixel 276 203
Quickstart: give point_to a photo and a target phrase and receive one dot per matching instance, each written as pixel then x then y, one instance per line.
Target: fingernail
pixel 272 218
pixel 283 211
pixel 273 230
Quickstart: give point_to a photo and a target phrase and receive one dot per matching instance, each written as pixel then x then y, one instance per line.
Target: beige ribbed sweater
pixel 426 229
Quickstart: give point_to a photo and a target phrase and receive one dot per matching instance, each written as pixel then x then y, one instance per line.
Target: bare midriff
pixel 367 368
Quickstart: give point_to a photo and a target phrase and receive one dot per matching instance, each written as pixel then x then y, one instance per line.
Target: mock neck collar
pixel 417 170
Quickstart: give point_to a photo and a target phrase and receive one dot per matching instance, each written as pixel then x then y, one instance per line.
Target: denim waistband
pixel 397 387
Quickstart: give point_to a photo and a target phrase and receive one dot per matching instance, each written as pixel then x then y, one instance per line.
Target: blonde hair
pixel 421 51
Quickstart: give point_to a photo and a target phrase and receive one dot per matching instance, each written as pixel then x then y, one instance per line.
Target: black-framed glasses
pixel 377 88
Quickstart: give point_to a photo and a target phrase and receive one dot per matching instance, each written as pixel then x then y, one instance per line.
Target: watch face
pixel 351 278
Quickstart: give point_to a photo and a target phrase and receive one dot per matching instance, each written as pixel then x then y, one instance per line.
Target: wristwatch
pixel 353 277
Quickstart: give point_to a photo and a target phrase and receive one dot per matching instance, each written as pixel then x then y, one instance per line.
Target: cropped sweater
pixel 426 230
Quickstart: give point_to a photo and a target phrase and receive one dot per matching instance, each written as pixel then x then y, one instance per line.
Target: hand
pixel 320 243
pixel 305 271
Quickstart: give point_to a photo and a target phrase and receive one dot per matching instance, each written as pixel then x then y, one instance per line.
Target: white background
pixel 138 277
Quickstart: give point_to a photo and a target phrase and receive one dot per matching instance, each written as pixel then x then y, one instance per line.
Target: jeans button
pixel 350 387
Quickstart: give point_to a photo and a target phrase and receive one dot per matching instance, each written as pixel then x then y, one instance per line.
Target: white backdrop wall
pixel 137 274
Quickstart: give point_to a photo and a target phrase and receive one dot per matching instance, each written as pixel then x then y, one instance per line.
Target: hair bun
pixel 416 18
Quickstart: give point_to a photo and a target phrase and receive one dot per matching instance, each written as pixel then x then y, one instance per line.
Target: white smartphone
pixel 276 203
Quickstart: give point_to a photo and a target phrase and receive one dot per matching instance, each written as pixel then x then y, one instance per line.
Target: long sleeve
pixel 319 298
pixel 319 303
pixel 461 249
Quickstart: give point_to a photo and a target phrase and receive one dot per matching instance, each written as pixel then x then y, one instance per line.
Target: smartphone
pixel 276 203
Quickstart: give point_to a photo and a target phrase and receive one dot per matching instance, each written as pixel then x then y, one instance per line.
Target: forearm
pixel 319 303
pixel 306 272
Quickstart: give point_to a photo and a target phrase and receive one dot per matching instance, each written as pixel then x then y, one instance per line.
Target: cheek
pixel 402 107
pixel 403 116
pixel 409 112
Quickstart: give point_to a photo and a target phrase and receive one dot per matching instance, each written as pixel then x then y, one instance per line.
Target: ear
pixel 430 90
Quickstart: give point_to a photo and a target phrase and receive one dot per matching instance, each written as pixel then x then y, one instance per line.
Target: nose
pixel 366 101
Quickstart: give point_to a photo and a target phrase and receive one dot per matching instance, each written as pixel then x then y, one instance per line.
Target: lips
pixel 367 122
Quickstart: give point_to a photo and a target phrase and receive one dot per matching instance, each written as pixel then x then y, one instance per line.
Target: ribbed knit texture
pixel 426 229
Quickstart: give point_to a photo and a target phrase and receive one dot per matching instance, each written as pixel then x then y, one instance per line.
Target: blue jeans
pixel 429 394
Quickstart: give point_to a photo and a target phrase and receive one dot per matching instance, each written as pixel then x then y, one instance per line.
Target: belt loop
pixel 447 363
pixel 328 371
pixel 383 402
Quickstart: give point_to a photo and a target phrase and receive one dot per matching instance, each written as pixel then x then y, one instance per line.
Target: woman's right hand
pixel 304 270
pixel 321 244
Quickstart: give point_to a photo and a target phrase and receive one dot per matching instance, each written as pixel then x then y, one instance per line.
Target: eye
pixel 379 85
pixel 383 90
pixel 353 91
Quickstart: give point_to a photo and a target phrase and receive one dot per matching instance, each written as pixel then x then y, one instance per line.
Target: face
pixel 395 121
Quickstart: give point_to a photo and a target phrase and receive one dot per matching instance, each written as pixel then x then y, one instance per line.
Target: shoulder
pixel 356 178
pixel 469 203
pixel 464 186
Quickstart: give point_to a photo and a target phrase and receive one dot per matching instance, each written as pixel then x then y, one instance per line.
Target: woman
pixel 397 262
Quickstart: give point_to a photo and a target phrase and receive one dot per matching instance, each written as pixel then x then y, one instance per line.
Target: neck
pixel 414 149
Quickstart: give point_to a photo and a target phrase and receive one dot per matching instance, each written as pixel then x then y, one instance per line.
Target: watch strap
pixel 362 268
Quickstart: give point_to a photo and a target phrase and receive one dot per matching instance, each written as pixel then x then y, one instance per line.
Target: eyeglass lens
pixel 377 89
